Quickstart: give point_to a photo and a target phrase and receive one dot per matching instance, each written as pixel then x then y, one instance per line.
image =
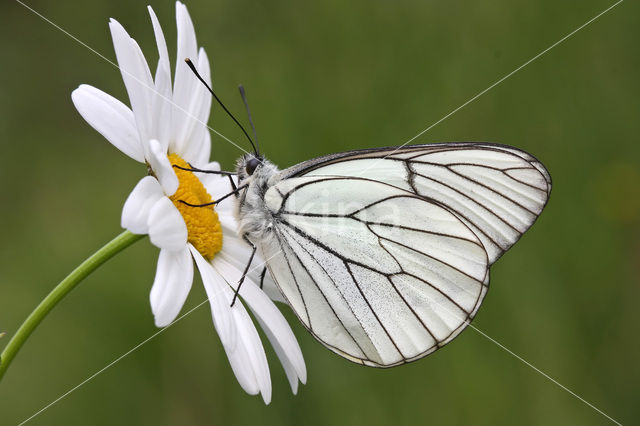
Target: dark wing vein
pixel 373 311
pixel 474 202
pixel 415 314
pixel 325 298
pixel 293 275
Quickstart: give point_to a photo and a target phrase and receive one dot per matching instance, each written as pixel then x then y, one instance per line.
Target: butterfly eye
pixel 251 165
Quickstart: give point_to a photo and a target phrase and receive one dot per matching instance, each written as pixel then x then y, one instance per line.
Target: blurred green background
pixel 321 78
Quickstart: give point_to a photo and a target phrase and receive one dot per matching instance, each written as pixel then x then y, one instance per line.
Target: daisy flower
pixel 166 127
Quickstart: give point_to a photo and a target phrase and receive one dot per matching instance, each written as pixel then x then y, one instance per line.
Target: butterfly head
pixel 252 164
pixel 247 165
pixel 255 174
pixel 252 167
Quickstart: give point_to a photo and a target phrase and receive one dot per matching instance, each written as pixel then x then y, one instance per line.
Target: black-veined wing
pixel 497 190
pixel 378 274
pixel 385 252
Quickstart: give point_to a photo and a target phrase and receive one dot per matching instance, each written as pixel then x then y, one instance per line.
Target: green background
pixel 321 78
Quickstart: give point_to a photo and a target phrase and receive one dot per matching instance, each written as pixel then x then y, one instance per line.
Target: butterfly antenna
pixel 243 95
pixel 193 68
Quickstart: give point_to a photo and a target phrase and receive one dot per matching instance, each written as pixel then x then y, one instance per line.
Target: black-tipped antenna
pixel 243 95
pixel 193 68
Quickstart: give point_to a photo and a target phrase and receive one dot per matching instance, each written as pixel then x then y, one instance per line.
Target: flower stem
pixel 109 250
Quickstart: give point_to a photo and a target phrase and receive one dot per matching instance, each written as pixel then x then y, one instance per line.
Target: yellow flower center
pixel 203 225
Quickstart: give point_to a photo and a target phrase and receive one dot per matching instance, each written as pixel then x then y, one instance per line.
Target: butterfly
pixel 384 254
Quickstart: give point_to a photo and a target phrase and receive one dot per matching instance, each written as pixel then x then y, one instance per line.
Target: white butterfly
pixel 384 254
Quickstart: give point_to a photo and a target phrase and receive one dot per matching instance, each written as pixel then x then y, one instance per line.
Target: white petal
pixel 269 286
pixel 213 165
pixel 226 216
pixel 171 286
pixel 162 168
pixel 163 52
pixel 182 142
pixel 162 97
pixel 237 253
pixel 137 79
pixel 196 143
pixel 135 213
pixel 250 340
pixel 207 178
pixel 278 332
pixel 293 371
pixel 214 285
pixel 271 320
pixel 241 365
pixel 246 353
pixel 202 157
pixel 197 148
pixel 167 229
pixel 110 117
pixel 185 81
pixel 218 186
pixel 205 71
pixel 203 63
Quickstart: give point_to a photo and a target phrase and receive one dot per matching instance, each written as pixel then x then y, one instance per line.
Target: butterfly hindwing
pixel 378 274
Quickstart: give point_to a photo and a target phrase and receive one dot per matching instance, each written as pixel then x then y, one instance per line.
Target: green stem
pixel 109 250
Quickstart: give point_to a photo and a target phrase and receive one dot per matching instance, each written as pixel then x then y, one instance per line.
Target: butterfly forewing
pixel 498 191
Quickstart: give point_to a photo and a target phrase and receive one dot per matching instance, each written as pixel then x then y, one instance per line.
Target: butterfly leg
pixel 246 269
pixel 234 192
pixel 195 169
pixel 233 185
pixel 262 274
